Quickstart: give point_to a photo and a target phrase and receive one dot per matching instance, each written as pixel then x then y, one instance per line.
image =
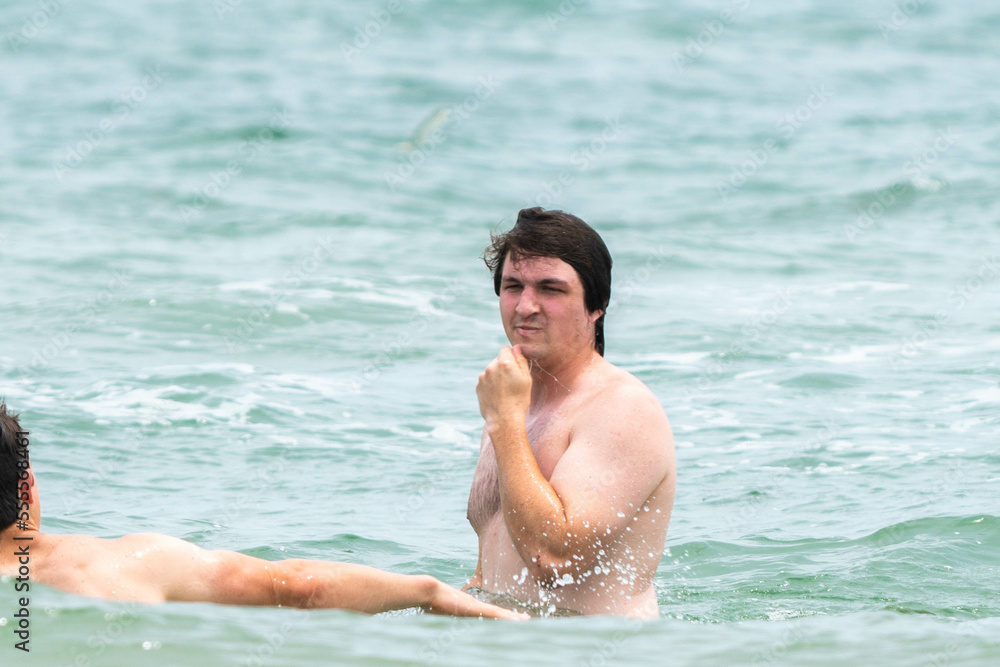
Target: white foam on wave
pixel 450 434
pixel 984 396
pixel 987 395
pixel 117 401
pixel 716 417
pixel 907 393
pixel 751 374
pixel 854 286
pixel 308 384
pixel 290 309
pixel 858 353
pixel 220 367
pixel 676 358
pixel 411 299
pixel 270 286
pixel 965 425
pixel 446 433
pixel 963 350
pixel 265 285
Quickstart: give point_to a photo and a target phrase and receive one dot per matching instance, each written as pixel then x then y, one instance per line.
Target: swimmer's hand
pixel 443 599
pixel 504 388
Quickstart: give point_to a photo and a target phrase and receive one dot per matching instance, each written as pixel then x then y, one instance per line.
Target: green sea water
pixel 238 308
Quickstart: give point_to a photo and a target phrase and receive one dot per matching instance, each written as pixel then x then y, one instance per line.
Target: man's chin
pixel 531 352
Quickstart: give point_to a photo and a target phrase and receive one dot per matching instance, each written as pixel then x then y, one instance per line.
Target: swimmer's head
pixel 541 233
pixel 13 459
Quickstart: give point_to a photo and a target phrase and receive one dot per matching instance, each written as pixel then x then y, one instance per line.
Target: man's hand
pixel 446 600
pixel 504 388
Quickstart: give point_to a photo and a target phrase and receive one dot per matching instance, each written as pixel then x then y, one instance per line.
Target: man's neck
pixel 17 543
pixel 554 379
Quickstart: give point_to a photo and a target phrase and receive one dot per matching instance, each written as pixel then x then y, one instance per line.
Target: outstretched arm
pixel 188 573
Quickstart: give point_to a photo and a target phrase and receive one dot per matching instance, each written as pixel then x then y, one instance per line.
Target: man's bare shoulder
pixel 145 567
pixel 618 392
pixel 137 543
pixel 138 552
pixel 623 412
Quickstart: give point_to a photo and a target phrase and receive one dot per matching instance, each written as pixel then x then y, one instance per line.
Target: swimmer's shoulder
pixel 624 391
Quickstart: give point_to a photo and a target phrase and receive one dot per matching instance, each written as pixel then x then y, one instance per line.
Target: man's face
pixel 542 308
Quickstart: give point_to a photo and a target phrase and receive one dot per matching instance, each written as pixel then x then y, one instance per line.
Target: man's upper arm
pixel 184 572
pixel 618 455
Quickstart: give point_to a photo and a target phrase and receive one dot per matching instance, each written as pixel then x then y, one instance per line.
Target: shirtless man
pixel 157 568
pixel 572 494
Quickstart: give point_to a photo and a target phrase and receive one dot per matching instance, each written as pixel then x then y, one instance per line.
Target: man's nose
pixel 527 304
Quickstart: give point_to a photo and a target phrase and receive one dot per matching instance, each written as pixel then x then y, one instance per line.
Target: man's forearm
pixel 371 591
pixel 533 512
pixel 319 585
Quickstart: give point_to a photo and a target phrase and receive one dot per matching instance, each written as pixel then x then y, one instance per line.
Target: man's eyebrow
pixel 555 282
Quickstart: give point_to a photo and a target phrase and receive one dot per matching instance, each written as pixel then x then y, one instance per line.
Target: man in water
pixel 575 483
pixel 157 568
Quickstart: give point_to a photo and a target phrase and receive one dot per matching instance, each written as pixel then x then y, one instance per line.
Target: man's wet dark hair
pixel 541 233
pixel 13 459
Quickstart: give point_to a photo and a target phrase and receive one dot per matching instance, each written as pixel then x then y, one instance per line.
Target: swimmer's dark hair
pixel 541 233
pixel 13 459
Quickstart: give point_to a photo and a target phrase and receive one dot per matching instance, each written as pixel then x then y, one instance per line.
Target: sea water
pixel 243 304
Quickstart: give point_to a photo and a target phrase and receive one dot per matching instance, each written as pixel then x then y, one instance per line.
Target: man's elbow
pixel 294 587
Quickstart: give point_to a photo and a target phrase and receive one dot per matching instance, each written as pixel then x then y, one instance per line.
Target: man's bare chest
pixel 549 439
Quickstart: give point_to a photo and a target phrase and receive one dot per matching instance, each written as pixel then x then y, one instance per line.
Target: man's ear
pixel 594 316
pixel 32 490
